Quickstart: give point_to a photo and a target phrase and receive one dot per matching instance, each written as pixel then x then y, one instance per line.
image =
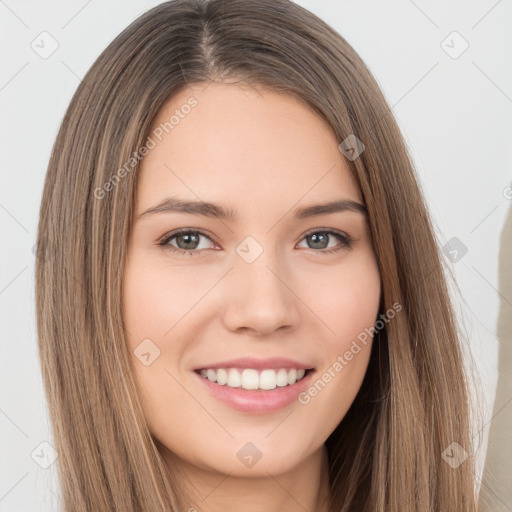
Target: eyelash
pixel 346 241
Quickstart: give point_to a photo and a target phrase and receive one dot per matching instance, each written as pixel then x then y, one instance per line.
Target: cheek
pixel 155 298
pixel 346 299
pixel 349 308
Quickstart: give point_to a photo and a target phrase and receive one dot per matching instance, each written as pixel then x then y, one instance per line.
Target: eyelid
pixel 326 230
pixel 172 234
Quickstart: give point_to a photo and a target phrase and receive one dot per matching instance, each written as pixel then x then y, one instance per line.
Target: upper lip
pixel 258 364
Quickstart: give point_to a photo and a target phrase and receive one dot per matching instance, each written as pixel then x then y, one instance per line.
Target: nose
pixel 260 298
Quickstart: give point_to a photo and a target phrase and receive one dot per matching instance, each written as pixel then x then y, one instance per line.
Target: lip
pixel 257 364
pixel 257 401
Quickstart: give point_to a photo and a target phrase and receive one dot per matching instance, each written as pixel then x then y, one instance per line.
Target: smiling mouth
pixel 254 379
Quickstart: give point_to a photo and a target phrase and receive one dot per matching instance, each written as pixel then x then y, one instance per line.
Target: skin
pixel 264 154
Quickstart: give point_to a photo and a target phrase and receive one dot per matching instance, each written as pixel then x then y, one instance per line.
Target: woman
pixel 240 300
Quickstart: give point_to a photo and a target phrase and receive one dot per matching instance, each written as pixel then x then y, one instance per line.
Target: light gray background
pixel 455 114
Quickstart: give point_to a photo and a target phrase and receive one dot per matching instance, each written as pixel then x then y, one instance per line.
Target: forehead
pixel 236 144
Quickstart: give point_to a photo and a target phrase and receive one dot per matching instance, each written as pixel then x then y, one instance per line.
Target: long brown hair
pixel 386 454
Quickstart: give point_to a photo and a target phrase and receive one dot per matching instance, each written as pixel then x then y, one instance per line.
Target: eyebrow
pixel 206 209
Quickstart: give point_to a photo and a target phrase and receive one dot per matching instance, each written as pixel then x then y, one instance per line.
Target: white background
pixel 455 114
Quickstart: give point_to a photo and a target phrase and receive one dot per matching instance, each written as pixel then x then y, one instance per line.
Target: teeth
pixel 253 379
pixel 282 378
pixel 268 379
pixel 234 378
pixel 250 379
pixel 222 377
pixel 292 376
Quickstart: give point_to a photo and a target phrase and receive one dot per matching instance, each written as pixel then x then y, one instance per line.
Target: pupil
pixel 316 237
pixel 189 239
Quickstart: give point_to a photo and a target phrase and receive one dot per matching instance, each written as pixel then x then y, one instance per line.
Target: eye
pixel 319 239
pixel 188 241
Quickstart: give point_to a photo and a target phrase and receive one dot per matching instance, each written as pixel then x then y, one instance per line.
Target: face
pixel 225 312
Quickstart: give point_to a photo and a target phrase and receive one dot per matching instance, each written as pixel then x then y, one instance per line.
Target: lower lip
pixel 257 401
